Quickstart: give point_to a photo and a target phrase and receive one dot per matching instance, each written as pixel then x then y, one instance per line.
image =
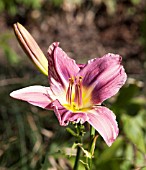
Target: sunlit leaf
pixel 108 153
pixel 132 129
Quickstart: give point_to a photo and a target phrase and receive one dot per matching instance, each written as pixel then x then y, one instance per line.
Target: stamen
pixel 69 91
pixel 78 93
pixel 74 93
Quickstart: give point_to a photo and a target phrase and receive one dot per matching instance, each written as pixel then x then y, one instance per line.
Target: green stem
pixel 79 140
pixel 77 158
pixel 92 132
pixel 92 147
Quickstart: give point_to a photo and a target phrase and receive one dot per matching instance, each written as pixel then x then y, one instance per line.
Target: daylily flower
pixel 77 91
pixel 31 48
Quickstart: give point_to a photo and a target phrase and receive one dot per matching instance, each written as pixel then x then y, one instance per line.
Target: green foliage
pixel 12 6
pixel 135 133
pixel 57 3
pixel 108 154
pixel 9 52
pixel 135 2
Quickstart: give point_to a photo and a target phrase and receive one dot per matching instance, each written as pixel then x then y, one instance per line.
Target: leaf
pixel 109 153
pixel 140 160
pixel 129 91
pixel 93 145
pixel 128 159
pixel 12 57
pixel 133 130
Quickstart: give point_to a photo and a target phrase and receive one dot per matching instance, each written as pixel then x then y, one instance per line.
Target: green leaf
pixel 129 91
pixel 109 153
pixel 140 159
pixel 93 145
pixel 128 159
pixel 46 163
pixel 133 131
pixel 12 57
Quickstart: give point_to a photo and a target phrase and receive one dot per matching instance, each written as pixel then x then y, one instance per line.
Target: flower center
pixel 75 95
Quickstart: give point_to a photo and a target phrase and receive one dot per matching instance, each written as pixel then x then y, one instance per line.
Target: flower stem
pixel 92 132
pixel 92 146
pixel 77 158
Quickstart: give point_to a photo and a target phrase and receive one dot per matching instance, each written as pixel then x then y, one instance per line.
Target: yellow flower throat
pixel 75 95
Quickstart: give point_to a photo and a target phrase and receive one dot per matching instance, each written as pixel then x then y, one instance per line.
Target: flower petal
pixel 103 77
pixel 31 48
pixel 61 67
pixel 65 116
pixel 81 66
pixel 35 95
pixel 103 120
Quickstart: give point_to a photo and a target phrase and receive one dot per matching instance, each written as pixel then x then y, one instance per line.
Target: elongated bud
pixel 31 48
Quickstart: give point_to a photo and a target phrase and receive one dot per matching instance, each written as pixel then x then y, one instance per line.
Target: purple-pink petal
pixel 36 95
pixel 104 121
pixel 61 67
pixel 65 116
pixel 81 66
pixel 105 76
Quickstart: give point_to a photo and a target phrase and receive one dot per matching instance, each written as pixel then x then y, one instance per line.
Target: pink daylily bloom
pixel 77 90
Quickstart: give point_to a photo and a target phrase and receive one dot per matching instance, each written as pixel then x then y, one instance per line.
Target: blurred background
pixel 30 137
